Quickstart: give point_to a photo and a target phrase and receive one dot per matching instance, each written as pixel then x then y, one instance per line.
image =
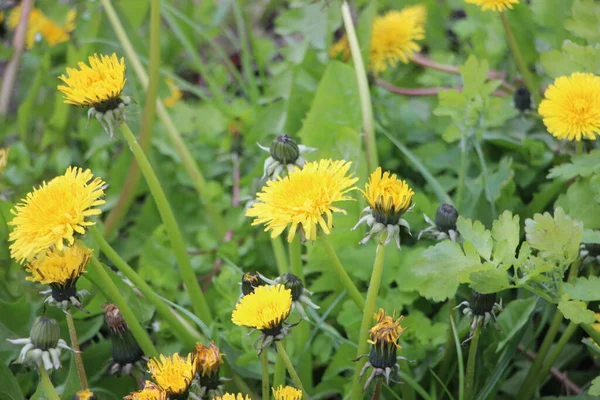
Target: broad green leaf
pixel 590 236
pixel 474 74
pixel 514 317
pixel 582 165
pixel 585 20
pixel 586 289
pixel 557 238
pixel 595 388
pixel 476 234
pixel 549 16
pixel 490 280
pixel 505 231
pixel 576 311
pixel 9 390
pixel 580 203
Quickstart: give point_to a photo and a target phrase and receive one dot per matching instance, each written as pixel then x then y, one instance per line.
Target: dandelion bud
pixel 209 360
pixel 126 351
pixel 482 303
pixel 522 99
pixel 292 282
pixel 45 333
pixel 85 394
pixel 445 218
pixel 284 149
pixel 250 281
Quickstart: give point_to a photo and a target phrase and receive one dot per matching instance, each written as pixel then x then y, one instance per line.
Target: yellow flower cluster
pixel 494 5
pixel 39 23
pixel 387 194
pixel 387 330
pixel 265 308
pixel 286 393
pixel 173 374
pixel 59 266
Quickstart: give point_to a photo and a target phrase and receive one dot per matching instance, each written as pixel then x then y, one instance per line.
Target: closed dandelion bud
pixel 292 282
pixel 125 349
pixel 482 303
pixel 284 149
pixel 250 281
pixel 45 333
pixel 522 99
pixel 85 394
pixel 445 218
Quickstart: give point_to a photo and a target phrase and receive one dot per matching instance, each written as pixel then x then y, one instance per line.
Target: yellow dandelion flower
pixel 494 5
pixel 175 95
pixel 39 23
pixel 149 392
pixel 287 393
pixel 304 198
pixel 60 267
pixel 98 85
pixel 386 331
pixel 341 49
pixel 173 374
pixel 386 194
pixel 571 107
pixel 85 394
pixel 4 151
pixel 208 358
pixel 52 214
pixel 230 396
pixel 266 308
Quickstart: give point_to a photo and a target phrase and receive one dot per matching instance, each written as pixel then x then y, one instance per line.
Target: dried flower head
pixel 304 199
pixel 54 213
pixel 386 331
pixel 286 393
pixel 149 392
pixel 570 109
pixel 173 374
pixel 494 5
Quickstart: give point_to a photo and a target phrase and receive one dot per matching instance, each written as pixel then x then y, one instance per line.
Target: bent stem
pixel 110 290
pixel 368 312
pixel 47 385
pixel 264 363
pixel 470 385
pixel 166 213
pixel 183 331
pixel 342 274
pixel 78 358
pixel 290 368
pixel 363 89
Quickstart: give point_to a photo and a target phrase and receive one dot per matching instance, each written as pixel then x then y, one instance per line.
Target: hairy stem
pixel 78 358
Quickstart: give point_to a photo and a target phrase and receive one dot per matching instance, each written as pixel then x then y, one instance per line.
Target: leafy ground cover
pixel 375 200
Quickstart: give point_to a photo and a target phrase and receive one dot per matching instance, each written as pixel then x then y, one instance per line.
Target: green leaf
pixel 474 74
pixel 514 317
pixel 576 311
pixel 580 203
pixel 476 234
pixel 585 20
pixel 490 280
pixel 506 234
pixel 595 388
pixel 557 238
pixel 586 289
pixel 10 389
pixel 582 165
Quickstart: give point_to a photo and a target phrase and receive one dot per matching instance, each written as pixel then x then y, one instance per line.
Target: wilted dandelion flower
pixel 149 392
pixel 209 360
pixel 4 157
pixel 175 93
pixel 173 374
pixel 98 86
pixel 394 38
pixel 265 309
pixel 39 23
pixel 54 213
pixel 571 107
pixel 286 393
pixel 388 198
pixel 230 396
pixel 494 5
pixel 126 352
pixel 304 199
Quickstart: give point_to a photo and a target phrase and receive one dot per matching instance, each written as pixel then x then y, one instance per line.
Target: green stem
pixel 290 368
pixel 579 147
pixel 264 363
pixel 110 290
pixel 279 374
pixel 132 180
pixel 342 274
pixel 183 331
pixel 462 173
pixel 77 354
pixel 377 391
pixel 527 387
pixel 595 335
pixel 46 384
pixel 470 384
pixel 519 60
pixel 166 213
pixel 555 353
pixel 408 391
pixel 461 367
pixel 213 214
pixel 368 311
pixel 363 89
pixel 449 348
pixel 280 257
pixel 486 177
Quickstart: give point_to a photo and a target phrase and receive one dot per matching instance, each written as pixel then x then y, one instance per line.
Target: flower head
pixel 287 393
pixel 4 157
pixel 571 107
pixel 54 213
pixel 149 392
pixel 229 396
pixel 85 394
pixel 265 309
pixel 59 267
pixel 126 352
pixel 39 23
pixel 494 5
pixel 303 199
pixel 482 308
pixel 209 359
pixel 173 374
pixel 386 331
pixel 299 292
pixel 175 93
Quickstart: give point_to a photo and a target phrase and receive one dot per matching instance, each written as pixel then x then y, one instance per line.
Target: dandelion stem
pixel 363 89
pixel 280 258
pixel 462 172
pixel 264 363
pixel 486 178
pixel 342 274
pixel 78 358
pixel 377 391
pixel 368 311
pixel 110 290
pixel 279 374
pixel 461 368
pixel 290 368
pixel 183 331
pixel 592 332
pixel 46 385
pixel 470 384
pixel 553 356
pixel 166 213
pixel 519 60
pixel 579 147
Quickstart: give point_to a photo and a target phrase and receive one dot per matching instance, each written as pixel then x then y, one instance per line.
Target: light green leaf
pixel 506 233
pixel 576 311
pixel 474 74
pixel 9 390
pixel 586 289
pixel 476 234
pixel 583 165
pixel 595 388
pixel 591 236
pixel 514 317
pixel 580 203
pixel 490 280
pixel 557 238
pixel 585 21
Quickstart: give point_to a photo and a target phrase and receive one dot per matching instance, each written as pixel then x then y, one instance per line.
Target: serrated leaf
pixel 586 289
pixel 476 234
pixel 506 233
pixel 514 317
pixel 595 388
pixel 556 238
pixel 490 280
pixel 583 165
pixel 474 74
pixel 576 311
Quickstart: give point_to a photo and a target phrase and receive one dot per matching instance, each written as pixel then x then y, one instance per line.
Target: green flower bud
pixel 292 282
pixel 522 99
pixel 45 333
pixel 445 218
pixel 383 355
pixel 482 303
pixel 285 150
pixel 125 349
